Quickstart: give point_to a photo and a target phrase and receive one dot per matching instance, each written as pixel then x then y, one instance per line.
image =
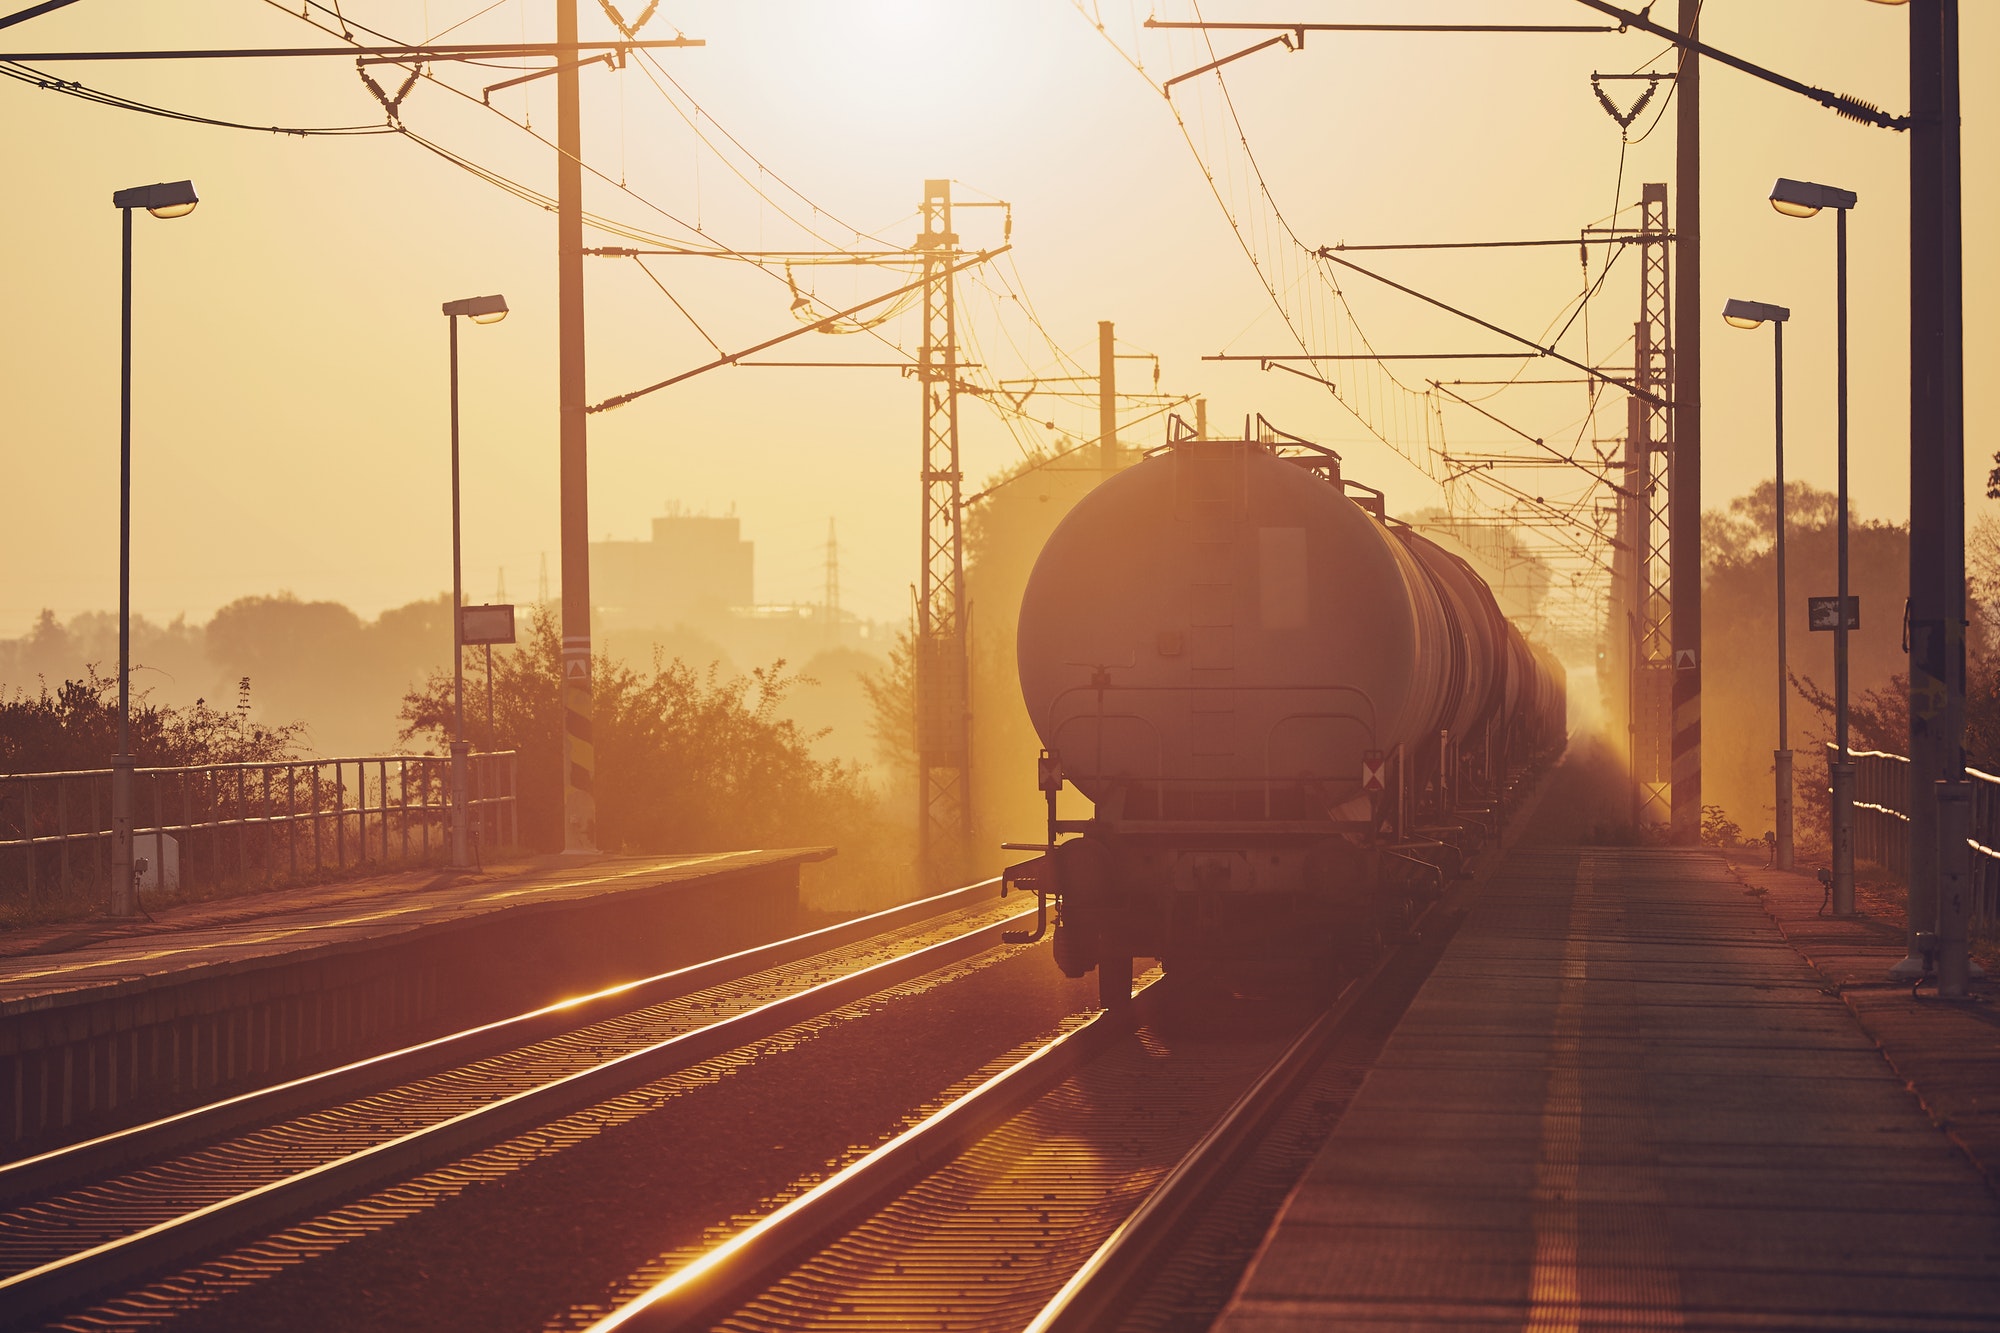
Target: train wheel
pixel 1114 982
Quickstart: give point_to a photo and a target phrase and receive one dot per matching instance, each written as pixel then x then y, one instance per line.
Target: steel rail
pixel 95 1157
pixel 752 1259
pixel 725 1278
pixel 64 1281
pixel 1107 1281
pixel 722 1280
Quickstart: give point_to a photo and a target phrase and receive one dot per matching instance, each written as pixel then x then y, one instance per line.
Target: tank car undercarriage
pixel 1255 905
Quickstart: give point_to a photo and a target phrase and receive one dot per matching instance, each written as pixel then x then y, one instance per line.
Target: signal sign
pixel 1824 613
pixel 1374 769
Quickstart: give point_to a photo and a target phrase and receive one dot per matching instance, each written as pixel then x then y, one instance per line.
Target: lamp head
pixel 479 309
pixel 1753 314
pixel 1802 199
pixel 168 199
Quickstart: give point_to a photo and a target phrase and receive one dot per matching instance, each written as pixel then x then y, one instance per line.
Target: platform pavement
pixel 1626 1099
pixel 43 968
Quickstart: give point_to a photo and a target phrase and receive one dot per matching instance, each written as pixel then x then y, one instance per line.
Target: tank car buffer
pixel 1295 717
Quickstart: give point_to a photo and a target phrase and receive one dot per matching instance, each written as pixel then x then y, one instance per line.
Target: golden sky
pixel 290 429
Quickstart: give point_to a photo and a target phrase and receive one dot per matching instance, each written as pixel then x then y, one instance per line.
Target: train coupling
pixel 1030 876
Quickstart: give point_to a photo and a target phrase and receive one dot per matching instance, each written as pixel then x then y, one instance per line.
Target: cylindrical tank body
pixel 1219 632
pixel 1211 645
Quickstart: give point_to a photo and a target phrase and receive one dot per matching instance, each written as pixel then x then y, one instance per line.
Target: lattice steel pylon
pixel 943 704
pixel 1650 451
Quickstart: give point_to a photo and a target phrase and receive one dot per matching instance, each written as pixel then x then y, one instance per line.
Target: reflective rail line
pixel 1034 1200
pixel 1045 1198
pixel 1109 1282
pixel 132 1202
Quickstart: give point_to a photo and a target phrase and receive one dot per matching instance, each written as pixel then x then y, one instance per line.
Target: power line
pixel 71 88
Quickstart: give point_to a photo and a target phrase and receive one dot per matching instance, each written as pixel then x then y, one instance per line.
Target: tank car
pixel 1293 715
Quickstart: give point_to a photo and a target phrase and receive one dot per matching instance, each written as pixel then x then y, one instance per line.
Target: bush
pixel 76 727
pixel 687 761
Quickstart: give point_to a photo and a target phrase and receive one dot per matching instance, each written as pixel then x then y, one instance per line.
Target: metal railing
pixel 1882 822
pixel 209 825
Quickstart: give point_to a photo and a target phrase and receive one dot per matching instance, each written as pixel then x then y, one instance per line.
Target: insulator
pixel 1856 109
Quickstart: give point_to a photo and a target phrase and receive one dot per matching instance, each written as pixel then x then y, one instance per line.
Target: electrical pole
pixel 1685 462
pixel 579 754
pixel 1937 869
pixel 1653 486
pixel 1107 397
pixel 944 814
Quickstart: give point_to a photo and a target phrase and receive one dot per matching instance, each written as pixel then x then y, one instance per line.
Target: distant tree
pixel 1739 645
pixel 319 660
pixel 1745 531
pixel 892 702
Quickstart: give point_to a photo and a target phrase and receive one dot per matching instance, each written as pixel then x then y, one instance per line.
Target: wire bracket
pixel 393 105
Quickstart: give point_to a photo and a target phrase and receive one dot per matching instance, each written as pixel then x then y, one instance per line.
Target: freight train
pixel 1294 715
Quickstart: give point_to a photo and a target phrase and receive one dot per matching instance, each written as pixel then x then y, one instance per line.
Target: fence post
pixel 1954 816
pixel 96 843
pixel 242 831
pixel 62 831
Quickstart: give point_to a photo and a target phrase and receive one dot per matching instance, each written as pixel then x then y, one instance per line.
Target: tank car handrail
pixel 1159 741
pixel 1366 725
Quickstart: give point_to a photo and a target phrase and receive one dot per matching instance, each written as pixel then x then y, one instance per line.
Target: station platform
pixel 103 1023
pixel 1649 1089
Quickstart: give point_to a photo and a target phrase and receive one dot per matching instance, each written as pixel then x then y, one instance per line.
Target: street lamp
pixel 169 199
pixel 1804 199
pixel 480 310
pixel 1752 315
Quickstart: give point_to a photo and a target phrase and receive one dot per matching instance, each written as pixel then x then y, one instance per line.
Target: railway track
pixel 1039 1200
pixel 1072 1191
pixel 96 1216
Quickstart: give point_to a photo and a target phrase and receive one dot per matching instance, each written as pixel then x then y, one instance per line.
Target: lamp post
pixel 480 310
pixel 1804 199
pixel 169 199
pixel 1751 315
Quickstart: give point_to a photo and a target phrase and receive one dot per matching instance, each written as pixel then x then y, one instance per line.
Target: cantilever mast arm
pixel 733 357
pixel 1592 371
pixel 1854 108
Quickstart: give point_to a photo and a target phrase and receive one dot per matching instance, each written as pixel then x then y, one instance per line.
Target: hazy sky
pixel 290 419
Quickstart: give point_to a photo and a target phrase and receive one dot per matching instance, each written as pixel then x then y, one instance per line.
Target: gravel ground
pixel 517 1248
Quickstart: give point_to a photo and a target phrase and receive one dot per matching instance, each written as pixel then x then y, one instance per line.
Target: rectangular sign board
pixel 486 624
pixel 1824 613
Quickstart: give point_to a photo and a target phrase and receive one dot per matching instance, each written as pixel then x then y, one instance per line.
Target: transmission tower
pixel 832 599
pixel 1649 453
pixel 944 815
